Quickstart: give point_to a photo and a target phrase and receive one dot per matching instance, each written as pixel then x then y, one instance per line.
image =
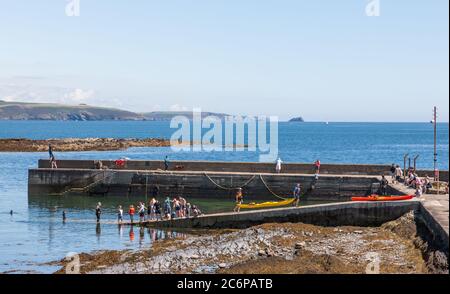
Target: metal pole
pixel 435 149
pixel 146 186
pixel 404 166
pixel 415 160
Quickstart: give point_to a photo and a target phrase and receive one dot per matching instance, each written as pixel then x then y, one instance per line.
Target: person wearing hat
pixel 239 200
pixel 98 211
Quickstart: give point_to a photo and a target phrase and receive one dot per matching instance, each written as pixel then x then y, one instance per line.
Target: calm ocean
pixel 35 233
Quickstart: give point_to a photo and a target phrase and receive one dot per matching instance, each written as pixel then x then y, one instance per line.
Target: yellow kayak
pixel 268 204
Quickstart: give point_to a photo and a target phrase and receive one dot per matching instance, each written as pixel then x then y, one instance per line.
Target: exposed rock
pixel 76 144
pixel 300 245
pixel 265 249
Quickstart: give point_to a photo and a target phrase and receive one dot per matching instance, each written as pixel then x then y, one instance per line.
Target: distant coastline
pixel 83 112
pixel 27 111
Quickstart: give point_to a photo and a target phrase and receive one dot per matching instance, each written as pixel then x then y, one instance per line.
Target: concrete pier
pixel 434 210
pixel 334 214
pixel 337 182
pixel 218 185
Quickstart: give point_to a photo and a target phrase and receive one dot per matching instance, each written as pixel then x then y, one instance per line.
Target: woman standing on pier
pixel 239 200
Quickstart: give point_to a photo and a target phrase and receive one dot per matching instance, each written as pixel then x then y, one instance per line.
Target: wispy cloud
pixel 79 95
pixel 49 94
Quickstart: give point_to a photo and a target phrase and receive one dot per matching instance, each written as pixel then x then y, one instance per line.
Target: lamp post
pixel 434 121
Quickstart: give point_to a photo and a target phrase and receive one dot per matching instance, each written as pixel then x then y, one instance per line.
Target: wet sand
pixel 275 248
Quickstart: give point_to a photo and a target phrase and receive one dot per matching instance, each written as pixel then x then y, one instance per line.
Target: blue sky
pixel 323 59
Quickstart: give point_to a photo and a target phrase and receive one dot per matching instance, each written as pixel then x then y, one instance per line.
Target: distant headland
pixel 83 112
pixel 297 119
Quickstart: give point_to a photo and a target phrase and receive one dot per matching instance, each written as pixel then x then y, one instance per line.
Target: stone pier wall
pixel 252 167
pixel 197 184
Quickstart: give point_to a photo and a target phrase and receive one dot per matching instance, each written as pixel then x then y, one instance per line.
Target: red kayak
pixel 382 198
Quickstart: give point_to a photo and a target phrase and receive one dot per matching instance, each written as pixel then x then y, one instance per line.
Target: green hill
pixel 82 112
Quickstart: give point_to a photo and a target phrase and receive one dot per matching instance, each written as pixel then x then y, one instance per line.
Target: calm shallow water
pixel 35 233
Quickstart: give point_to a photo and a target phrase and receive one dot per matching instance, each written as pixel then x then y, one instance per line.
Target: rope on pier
pixel 229 188
pixel 270 190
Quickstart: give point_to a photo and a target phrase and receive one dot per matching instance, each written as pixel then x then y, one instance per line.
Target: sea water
pixel 35 233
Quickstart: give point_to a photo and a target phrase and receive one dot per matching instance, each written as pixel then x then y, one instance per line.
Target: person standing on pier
pixel 120 214
pixel 131 211
pixel 317 167
pixel 182 206
pixel 384 184
pixel 297 192
pixel 392 170
pixel 98 211
pixel 167 208
pixel 141 212
pixel 398 173
pixel 239 200
pixel 278 165
pixel 166 163
pixel 50 151
pixel 151 209
pixel 176 207
pixel 157 210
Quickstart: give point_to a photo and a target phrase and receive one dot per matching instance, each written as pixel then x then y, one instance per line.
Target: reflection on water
pixel 54 226
pixel 43 233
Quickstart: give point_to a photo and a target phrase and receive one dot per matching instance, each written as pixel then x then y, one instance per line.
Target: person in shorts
pixel 297 192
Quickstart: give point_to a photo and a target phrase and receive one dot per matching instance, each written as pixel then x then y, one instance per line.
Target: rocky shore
pixel 77 144
pixel 278 248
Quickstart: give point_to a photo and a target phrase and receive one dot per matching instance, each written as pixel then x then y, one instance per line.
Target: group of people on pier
pixel 411 179
pixel 177 207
